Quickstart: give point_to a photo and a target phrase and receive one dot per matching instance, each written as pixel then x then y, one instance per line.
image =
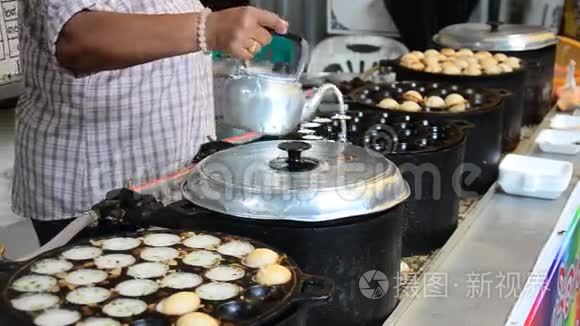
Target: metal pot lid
pixel 495 37
pixel 297 181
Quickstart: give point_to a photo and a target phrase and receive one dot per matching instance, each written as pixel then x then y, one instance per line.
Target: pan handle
pixel 315 289
pixel 188 209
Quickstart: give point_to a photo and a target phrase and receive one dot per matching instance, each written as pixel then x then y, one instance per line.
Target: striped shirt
pixel 78 137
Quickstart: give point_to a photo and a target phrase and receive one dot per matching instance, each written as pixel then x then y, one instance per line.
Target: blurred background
pixel 412 18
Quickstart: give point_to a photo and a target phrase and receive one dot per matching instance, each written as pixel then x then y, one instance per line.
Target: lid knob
pixel 294 149
pixel 494 26
pixel 294 162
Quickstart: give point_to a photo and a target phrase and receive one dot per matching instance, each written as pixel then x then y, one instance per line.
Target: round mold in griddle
pixel 57 317
pixel 152 321
pixel 33 283
pixel 148 270
pixel 202 258
pixel 236 310
pixel 137 288
pixel 81 277
pixel 263 293
pixel 113 261
pixel 159 254
pixel 235 248
pixel 88 295
pixel 218 291
pixel 181 281
pixel 82 253
pixel 35 301
pixel 52 266
pixel 161 239
pixel 124 308
pixel 100 321
pixel 202 241
pixel 225 273
pixel 120 244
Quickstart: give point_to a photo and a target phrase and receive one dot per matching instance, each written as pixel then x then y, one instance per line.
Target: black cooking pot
pixel 256 305
pixel 430 156
pixel 322 223
pixel 513 104
pixel 540 66
pixel 433 169
pixel 485 114
pixel 536 45
pixel 432 212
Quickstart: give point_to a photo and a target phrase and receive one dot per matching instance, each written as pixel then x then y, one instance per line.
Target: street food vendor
pixel 116 92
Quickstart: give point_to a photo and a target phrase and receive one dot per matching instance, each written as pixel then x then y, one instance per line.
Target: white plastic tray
pixel 534 177
pixel 559 141
pixel 564 121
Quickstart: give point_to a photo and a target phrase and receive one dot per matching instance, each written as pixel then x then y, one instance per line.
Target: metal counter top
pixel 476 277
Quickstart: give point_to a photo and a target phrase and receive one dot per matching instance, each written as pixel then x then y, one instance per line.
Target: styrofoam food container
pixel 564 121
pixel 559 141
pixel 534 177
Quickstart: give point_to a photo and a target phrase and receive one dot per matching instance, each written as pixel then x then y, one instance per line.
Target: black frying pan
pixel 258 305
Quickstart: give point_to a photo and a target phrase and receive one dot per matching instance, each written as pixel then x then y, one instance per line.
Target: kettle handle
pixel 304 51
pixel 304 54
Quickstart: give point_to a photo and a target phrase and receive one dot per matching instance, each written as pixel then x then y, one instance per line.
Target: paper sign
pixel 9 47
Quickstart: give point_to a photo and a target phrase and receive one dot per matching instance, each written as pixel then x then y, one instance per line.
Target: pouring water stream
pixel 313 104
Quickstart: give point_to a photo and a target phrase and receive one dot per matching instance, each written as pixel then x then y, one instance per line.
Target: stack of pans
pixel 484 114
pixel 430 156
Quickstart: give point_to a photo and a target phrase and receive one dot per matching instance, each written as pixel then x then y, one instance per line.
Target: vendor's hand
pixel 242 31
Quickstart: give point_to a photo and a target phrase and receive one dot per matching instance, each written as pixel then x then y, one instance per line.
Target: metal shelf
pixel 501 234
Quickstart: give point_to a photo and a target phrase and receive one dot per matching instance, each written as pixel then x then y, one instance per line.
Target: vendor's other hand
pixel 242 31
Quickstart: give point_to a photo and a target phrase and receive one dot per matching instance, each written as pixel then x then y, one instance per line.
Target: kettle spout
pixel 311 106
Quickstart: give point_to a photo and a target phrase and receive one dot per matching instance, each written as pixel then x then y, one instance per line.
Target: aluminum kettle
pixel 272 102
